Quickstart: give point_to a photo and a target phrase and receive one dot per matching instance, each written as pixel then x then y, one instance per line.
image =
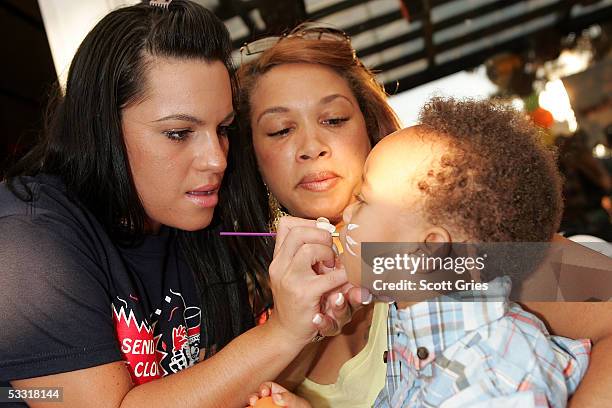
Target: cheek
pixel 351 258
pixel 225 145
pixel 274 162
pixel 354 148
pixel 154 168
pixel 137 154
pixel 352 242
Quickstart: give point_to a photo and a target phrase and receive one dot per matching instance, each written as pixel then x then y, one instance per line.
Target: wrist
pixel 282 336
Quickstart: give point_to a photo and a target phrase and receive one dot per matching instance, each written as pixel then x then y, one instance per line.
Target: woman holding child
pixel 113 272
pixel 310 151
pixel 290 132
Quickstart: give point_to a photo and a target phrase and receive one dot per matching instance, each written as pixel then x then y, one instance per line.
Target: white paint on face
pixel 351 242
pixel 389 206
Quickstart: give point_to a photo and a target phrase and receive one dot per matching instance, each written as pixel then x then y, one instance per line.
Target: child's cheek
pixel 351 253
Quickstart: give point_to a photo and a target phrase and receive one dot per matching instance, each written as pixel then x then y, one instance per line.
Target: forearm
pixel 295 373
pixel 224 380
pixel 595 390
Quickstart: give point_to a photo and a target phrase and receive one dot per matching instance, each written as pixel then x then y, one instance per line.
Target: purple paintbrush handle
pixel 248 234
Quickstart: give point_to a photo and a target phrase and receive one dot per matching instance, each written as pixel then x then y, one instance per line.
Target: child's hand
pixel 280 395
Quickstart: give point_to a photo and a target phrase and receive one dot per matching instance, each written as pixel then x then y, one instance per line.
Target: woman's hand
pixel 338 306
pixel 280 395
pixel 296 287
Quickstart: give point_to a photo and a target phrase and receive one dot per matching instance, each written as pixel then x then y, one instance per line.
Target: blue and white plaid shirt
pixel 448 353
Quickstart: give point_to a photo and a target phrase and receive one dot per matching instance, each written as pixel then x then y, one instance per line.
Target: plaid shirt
pixel 448 353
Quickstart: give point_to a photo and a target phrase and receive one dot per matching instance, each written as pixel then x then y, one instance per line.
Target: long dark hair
pixel 380 120
pixel 83 140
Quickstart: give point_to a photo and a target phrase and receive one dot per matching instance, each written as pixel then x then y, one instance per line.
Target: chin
pixel 313 214
pixel 333 212
pixel 197 224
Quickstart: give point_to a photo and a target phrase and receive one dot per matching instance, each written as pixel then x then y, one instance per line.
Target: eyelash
pixel 281 132
pixel 359 198
pixel 334 122
pixel 337 121
pixel 183 134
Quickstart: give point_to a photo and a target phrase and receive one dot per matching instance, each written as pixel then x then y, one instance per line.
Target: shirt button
pixel 422 353
pixel 385 354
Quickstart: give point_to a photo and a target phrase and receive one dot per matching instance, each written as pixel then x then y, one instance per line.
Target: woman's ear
pixel 437 242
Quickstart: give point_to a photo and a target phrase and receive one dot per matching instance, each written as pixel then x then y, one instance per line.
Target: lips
pixel 319 181
pixel 204 196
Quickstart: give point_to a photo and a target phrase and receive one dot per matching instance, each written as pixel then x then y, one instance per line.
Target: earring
pixel 275 210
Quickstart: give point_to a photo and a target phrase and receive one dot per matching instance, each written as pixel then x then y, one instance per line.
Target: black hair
pixel 83 140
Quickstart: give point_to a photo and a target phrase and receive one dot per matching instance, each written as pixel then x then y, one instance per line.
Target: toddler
pixel 471 171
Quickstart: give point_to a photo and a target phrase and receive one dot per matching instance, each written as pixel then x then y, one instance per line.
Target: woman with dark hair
pixel 113 273
pixel 310 112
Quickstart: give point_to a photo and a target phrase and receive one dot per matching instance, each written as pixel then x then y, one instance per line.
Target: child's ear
pixel 437 242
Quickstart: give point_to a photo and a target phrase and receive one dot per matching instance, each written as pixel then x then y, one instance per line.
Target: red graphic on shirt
pixel 138 345
pixel 179 337
pixel 184 341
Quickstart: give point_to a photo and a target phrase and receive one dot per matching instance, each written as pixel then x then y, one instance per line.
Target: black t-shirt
pixel 72 299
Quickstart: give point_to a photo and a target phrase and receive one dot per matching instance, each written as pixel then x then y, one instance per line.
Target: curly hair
pixel 498 182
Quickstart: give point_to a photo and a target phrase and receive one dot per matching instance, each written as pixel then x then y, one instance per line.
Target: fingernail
pixel 317 319
pixel 278 400
pixel 252 401
pixel 323 223
pixel 339 300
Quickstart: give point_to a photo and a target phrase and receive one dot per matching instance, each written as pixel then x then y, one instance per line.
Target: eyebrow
pixel 276 109
pixel 330 98
pixel 280 109
pixel 190 118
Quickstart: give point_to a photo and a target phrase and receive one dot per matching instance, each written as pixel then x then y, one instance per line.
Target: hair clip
pixel 160 3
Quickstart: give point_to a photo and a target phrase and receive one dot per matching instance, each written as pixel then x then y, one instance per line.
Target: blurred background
pixel 551 59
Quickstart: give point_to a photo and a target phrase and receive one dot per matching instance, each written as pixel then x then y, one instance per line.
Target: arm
pixel 224 380
pixel 592 320
pixel 584 320
pixel 227 378
pixel 348 315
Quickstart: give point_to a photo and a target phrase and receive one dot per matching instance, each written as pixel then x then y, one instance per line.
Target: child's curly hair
pixel 499 182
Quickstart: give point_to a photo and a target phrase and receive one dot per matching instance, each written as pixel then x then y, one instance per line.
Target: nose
pixel 211 153
pixel 312 145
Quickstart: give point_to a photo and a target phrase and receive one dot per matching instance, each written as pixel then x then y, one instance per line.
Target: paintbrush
pixel 258 234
